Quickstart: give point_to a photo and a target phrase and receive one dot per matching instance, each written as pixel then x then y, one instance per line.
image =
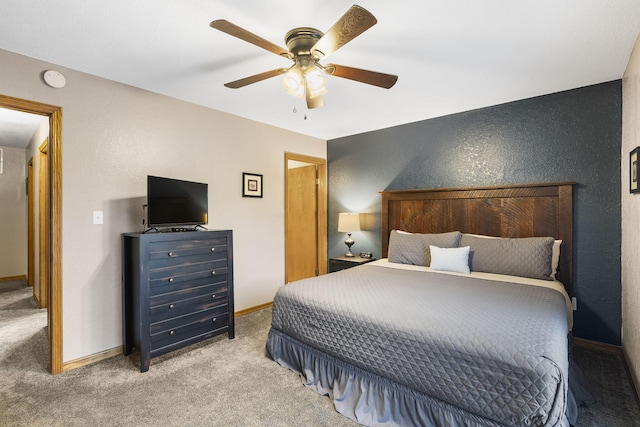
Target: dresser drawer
pixel 164 334
pixel 187 306
pixel 175 249
pixel 187 273
pixel 159 287
pixel 180 262
pixel 217 312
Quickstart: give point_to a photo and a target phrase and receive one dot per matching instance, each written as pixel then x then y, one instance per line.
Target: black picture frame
pixel 251 185
pixel 634 171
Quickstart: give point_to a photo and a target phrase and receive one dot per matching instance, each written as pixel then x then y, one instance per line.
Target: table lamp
pixel 348 223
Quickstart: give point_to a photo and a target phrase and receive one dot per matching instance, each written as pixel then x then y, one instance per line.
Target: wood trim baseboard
pixel 93 358
pixel 117 351
pixel 6 279
pixel 597 345
pixel 253 309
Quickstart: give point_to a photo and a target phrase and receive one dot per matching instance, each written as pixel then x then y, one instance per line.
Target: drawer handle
pixel 213 320
pixel 170 279
pixel 170 305
pixel 213 296
pixel 171 333
pixel 213 249
pixel 170 254
pixel 213 273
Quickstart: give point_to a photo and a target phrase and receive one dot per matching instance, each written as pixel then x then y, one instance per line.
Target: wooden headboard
pixel 536 210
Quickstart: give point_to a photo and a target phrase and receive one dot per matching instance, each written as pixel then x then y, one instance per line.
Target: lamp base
pixel 349 242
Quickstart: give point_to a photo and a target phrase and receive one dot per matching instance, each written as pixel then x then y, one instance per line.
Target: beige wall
pixel 113 137
pixel 630 216
pixel 13 214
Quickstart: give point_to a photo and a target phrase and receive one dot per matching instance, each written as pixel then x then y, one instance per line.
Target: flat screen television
pixel 173 202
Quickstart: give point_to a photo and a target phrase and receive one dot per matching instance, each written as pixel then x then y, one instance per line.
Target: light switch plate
pixel 98 217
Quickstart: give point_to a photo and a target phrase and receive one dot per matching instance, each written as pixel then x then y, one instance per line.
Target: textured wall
pixel 113 137
pixel 13 214
pixel 630 215
pixel 568 136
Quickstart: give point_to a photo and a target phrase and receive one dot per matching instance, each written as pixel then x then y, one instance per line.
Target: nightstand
pixel 343 262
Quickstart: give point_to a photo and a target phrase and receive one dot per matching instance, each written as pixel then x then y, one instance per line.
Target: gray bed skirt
pixel 364 397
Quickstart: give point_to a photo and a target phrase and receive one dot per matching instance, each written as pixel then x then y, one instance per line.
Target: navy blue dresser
pixel 178 290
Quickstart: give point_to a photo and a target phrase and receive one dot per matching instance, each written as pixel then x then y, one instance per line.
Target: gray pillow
pixel 410 248
pixel 524 257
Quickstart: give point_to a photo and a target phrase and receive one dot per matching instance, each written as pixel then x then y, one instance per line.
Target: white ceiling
pixel 450 56
pixel 17 128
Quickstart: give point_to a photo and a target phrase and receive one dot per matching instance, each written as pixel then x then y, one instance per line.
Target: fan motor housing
pixel 300 40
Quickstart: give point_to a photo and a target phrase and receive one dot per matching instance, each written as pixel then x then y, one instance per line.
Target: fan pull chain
pixel 295 111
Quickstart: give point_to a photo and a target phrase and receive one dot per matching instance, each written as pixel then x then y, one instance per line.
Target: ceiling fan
pixel 306 47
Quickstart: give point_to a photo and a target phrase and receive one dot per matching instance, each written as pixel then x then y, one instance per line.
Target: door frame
pixel 54 312
pixel 322 207
pixel 30 223
pixel 44 227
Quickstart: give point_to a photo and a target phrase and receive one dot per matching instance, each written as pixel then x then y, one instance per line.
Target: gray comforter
pixel 498 351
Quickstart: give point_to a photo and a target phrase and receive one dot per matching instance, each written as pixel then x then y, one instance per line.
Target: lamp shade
pixel 348 222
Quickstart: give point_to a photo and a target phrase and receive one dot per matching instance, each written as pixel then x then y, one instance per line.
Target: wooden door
pixel 302 230
pixel 305 217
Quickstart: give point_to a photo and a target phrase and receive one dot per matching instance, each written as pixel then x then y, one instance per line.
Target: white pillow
pixel 450 259
pixel 555 258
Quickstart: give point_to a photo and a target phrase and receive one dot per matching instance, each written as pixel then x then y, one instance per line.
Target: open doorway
pixel 305 217
pixel 53 258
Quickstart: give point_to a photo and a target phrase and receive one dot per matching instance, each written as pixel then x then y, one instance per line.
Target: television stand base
pixel 182 229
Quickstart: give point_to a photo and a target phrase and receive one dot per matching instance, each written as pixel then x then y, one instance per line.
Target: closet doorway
pixel 305 217
pixel 53 259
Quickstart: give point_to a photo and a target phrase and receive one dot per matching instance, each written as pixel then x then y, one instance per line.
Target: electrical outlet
pixel 98 217
pixel 574 303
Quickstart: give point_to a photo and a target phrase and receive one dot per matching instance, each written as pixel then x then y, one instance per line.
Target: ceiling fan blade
pixel 255 78
pixel 239 32
pixel 312 101
pixel 354 22
pixel 374 78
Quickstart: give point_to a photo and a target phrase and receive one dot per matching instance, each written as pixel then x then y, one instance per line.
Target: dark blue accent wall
pixel 567 136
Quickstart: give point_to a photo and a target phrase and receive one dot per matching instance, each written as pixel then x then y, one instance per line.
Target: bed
pixel 472 332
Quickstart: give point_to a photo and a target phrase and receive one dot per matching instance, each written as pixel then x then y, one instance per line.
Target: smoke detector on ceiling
pixel 54 79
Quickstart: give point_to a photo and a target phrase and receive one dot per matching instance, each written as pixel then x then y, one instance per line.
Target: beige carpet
pixel 219 382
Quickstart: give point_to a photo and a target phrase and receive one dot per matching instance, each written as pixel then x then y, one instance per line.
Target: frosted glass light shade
pixel 292 81
pixel 302 77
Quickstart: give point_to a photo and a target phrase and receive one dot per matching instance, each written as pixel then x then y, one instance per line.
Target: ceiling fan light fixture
pixel 306 46
pixel 292 82
pixel 315 82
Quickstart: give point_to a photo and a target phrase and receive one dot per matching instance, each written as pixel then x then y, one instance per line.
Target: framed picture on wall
pixel 633 171
pixel 251 185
